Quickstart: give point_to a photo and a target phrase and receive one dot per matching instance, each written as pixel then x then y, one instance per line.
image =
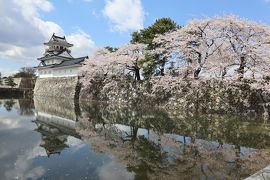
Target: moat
pixel 58 139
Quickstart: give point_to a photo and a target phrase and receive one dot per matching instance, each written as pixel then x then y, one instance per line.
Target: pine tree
pixel 9 81
pixel 1 82
pixel 155 62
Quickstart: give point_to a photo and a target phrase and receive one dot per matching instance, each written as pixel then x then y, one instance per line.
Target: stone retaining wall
pixel 64 87
pixel 62 107
pixel 211 96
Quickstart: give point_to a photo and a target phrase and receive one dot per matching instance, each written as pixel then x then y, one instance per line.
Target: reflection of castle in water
pixel 53 141
pixel 55 124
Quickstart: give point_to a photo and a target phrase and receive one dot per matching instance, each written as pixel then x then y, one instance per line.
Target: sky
pixel 89 24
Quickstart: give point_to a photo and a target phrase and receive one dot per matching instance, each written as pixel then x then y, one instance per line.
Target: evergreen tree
pixel 155 63
pixel 111 49
pixel 1 82
pixel 9 81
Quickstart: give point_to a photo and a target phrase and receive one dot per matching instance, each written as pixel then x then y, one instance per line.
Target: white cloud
pixel 7 71
pixel 10 123
pixel 23 31
pixel 83 44
pixel 23 168
pixel 124 15
pixel 71 1
pixel 94 13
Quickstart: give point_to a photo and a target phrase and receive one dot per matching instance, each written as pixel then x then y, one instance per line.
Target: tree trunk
pixel 196 73
pixel 224 72
pixel 162 67
pixel 241 69
pixel 186 74
pixel 134 132
pixel 198 70
pixel 162 71
pixel 137 74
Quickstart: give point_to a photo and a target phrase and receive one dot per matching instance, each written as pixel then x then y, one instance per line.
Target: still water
pixel 57 139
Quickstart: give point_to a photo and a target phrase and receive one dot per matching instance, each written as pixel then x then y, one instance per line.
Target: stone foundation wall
pixel 62 107
pixel 212 96
pixel 64 87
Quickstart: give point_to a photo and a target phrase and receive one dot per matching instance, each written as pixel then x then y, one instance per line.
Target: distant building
pixel 57 60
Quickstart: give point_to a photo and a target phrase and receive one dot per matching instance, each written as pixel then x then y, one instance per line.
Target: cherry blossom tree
pixel 248 44
pixel 214 47
pixel 129 55
pixel 193 44
pixel 105 64
pixel 218 44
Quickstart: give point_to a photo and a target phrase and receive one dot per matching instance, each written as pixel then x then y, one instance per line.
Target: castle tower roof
pixel 57 40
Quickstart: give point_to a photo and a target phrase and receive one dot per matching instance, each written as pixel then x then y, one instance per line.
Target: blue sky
pixel 89 24
pixel 89 16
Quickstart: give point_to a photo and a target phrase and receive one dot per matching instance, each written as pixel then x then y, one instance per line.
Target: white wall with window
pixel 52 61
pixel 58 72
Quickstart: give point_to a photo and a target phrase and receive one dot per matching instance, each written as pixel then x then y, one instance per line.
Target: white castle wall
pixel 58 72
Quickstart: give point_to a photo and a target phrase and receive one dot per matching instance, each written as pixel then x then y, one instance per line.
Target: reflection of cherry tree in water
pixel 127 144
pixel 9 105
pixel 148 141
pixel 218 156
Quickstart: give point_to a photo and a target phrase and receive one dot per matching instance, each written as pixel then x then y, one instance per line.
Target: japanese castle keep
pixel 57 60
pixel 58 71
